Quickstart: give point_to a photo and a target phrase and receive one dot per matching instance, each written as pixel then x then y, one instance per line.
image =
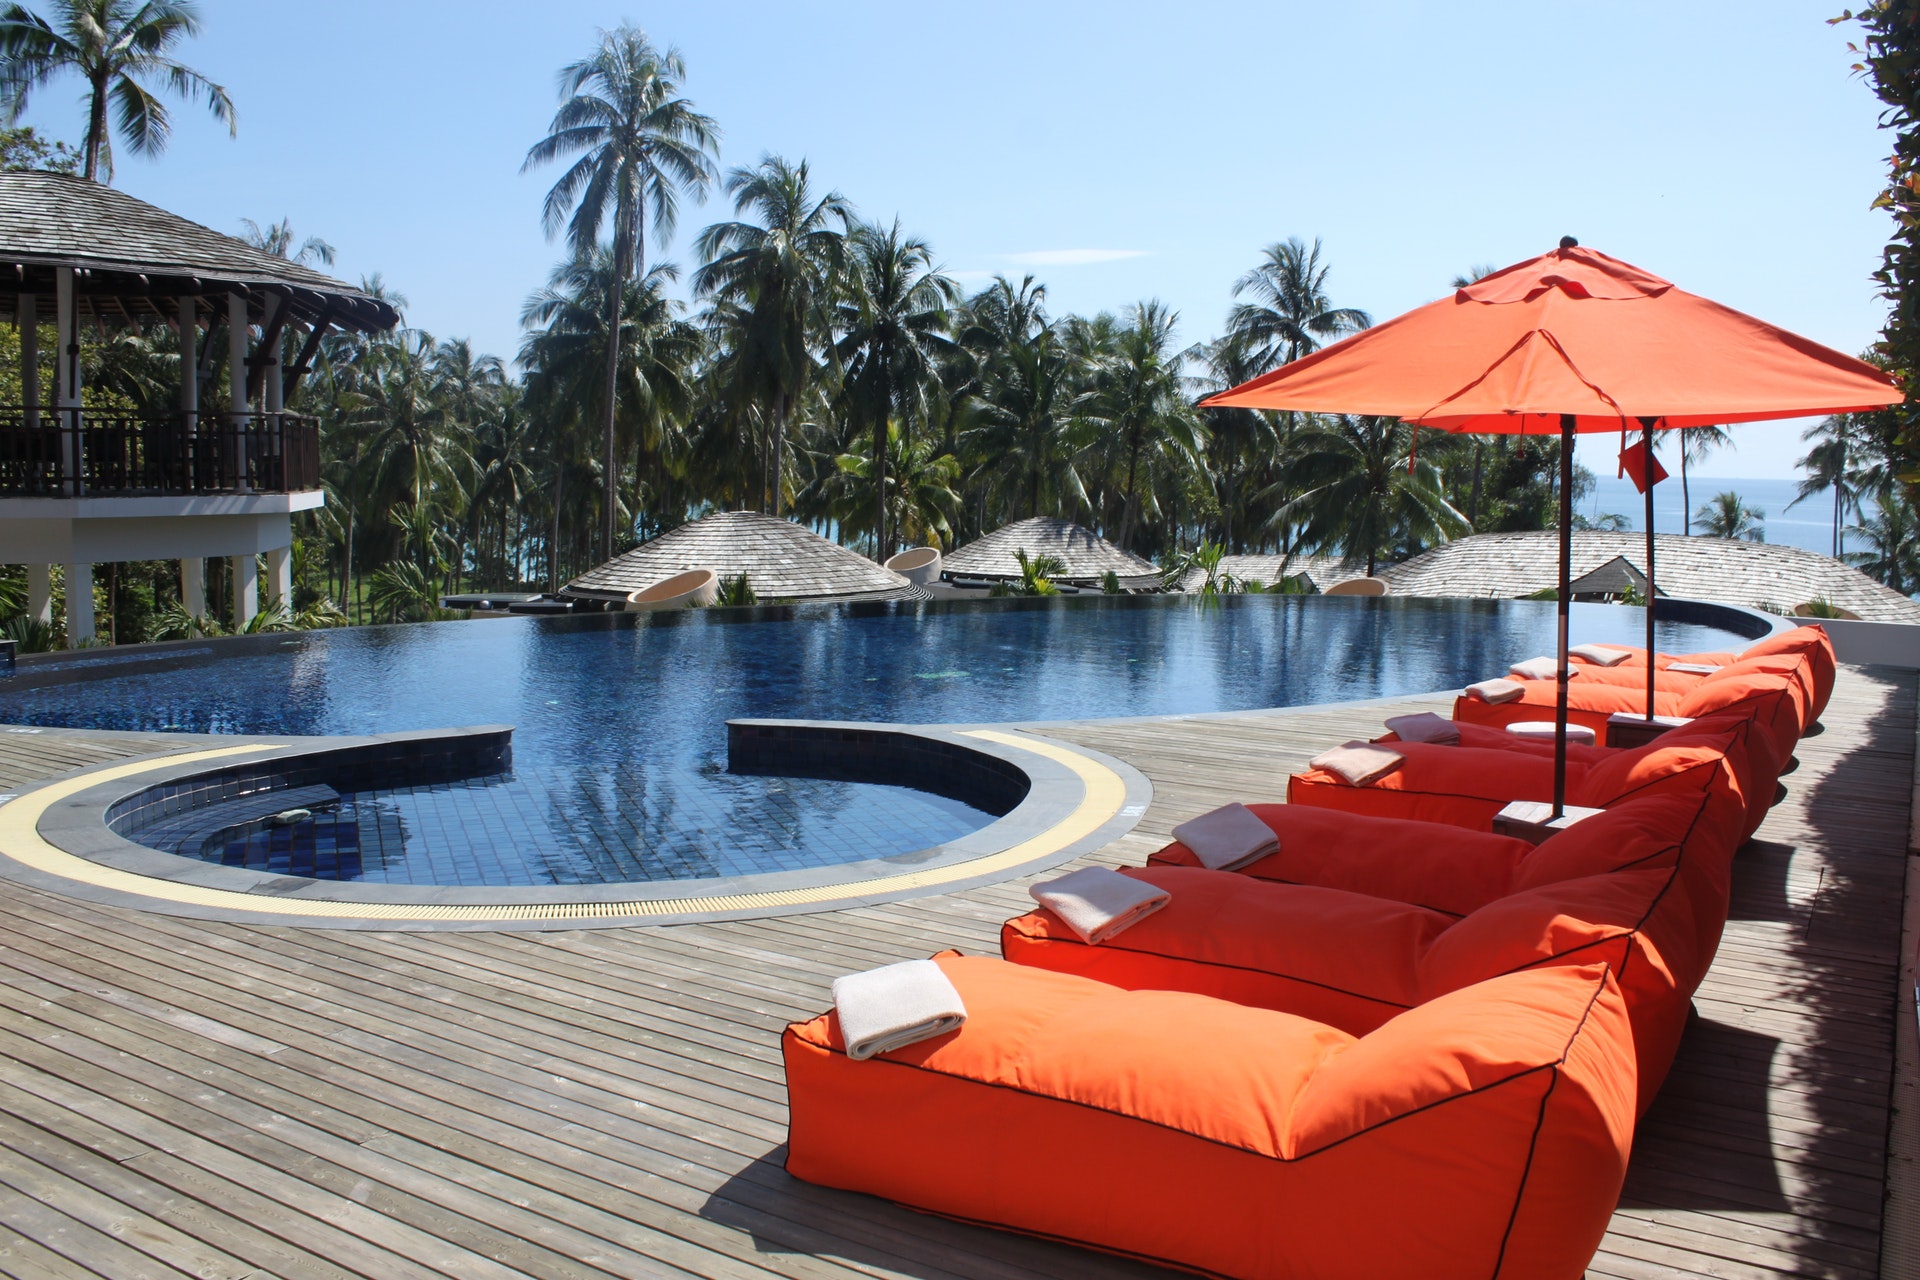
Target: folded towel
pixel 896 1005
pixel 1693 668
pixel 1497 690
pixel 1539 669
pixel 1097 903
pixel 1578 734
pixel 1424 727
pixel 1599 655
pixel 1227 838
pixel 1358 763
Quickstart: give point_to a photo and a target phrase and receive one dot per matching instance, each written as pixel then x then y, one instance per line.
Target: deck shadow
pixel 1729 1070
pixel 783 1215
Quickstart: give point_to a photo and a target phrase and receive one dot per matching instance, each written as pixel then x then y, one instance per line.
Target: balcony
pixel 68 453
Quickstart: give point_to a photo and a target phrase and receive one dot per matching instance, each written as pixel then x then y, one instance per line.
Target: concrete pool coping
pixel 56 835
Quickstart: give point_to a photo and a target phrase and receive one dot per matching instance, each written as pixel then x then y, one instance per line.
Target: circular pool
pixel 619 750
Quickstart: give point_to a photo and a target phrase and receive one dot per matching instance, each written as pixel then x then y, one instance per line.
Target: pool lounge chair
pixel 1482 1134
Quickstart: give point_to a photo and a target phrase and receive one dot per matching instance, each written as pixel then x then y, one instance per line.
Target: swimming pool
pixel 619 750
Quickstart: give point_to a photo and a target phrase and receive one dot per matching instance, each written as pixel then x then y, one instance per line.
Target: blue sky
pixel 1118 151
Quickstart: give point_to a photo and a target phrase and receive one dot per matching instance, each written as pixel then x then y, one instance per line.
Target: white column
pixel 280 578
pixel 79 604
pixel 246 589
pixel 28 318
pixel 66 366
pixel 40 593
pixel 237 380
pixel 193 586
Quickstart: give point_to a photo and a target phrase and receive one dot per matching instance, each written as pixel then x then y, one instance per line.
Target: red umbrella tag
pixel 1632 461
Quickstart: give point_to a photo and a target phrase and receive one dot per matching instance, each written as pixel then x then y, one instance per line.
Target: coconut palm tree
pixel 775 279
pixel 278 238
pixel 1834 463
pixel 1288 312
pixel 118 47
pixel 1695 444
pixel 1727 516
pixel 1137 402
pixel 1240 442
pixel 640 145
pixel 919 490
pixel 1022 419
pixel 892 321
pixel 1893 535
pixel 1361 492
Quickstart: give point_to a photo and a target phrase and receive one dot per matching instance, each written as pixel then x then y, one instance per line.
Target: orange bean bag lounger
pixel 1467 787
pixel 1774 692
pixel 1484 1134
pixel 1811 642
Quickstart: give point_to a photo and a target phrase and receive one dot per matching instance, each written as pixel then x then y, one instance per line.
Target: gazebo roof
pixel 1760 575
pixel 1088 557
pixel 133 259
pixel 782 561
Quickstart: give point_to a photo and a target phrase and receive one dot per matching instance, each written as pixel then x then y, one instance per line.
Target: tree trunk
pixel 553 545
pixel 1686 500
pixel 1473 503
pixel 1836 519
pixel 779 453
pixel 622 266
pixel 96 128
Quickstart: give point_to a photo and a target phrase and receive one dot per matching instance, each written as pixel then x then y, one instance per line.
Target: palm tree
pixel 1833 463
pixel 113 45
pixel 892 322
pixel 1695 444
pixel 277 240
pixel 1239 440
pixel 775 280
pixel 918 492
pixel 1137 401
pixel 1893 534
pixel 1361 492
pixel 1729 517
pixel 643 145
pixel 1289 312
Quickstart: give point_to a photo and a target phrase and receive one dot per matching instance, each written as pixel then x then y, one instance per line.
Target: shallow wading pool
pixel 619 769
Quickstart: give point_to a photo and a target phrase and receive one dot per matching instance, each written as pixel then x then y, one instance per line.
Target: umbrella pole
pixel 1646 458
pixel 1566 608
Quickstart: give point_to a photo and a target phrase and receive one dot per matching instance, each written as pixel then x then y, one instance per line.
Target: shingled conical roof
pixel 1759 575
pixel 1088 558
pixel 782 561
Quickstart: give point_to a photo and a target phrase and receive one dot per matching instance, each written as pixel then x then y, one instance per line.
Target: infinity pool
pixel 619 750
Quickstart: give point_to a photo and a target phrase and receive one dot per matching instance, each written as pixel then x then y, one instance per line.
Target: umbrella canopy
pixel 1572 341
pixel 1571 332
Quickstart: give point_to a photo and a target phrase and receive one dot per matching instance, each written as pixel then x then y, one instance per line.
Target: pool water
pixel 619 748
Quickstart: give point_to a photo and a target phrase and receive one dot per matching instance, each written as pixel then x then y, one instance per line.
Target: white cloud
pixel 1073 257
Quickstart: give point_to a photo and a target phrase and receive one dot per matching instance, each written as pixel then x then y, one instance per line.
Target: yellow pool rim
pixel 1103 798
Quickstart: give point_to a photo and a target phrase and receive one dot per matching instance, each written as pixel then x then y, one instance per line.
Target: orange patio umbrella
pixel 1566 342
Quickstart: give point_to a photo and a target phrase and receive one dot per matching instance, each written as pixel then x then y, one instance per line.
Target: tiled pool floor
pixel 535 826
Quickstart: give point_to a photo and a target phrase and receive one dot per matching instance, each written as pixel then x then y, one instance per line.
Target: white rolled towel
pixel 1497 690
pixel 894 1006
pixel 1097 903
pixel 1599 655
pixel 1425 727
pixel 1694 668
pixel 1539 669
pixel 1227 838
pixel 1358 763
pixel 1546 730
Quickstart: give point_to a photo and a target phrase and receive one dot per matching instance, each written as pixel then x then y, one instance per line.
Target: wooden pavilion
pixel 82 485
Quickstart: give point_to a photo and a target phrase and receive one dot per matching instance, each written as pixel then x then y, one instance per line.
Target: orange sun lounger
pixel 1811 642
pixel 1483 1134
pixel 1467 787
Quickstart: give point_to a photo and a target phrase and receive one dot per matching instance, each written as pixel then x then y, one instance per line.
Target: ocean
pixel 1809 525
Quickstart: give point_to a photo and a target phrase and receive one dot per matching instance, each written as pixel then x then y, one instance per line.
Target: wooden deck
pixel 215 1100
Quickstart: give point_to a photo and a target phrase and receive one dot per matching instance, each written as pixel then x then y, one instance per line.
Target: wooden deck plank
pixel 335 1103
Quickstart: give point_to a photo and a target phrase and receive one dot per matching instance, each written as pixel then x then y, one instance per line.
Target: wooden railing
pixel 48 452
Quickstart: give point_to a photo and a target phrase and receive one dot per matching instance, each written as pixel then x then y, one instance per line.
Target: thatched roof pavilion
pixel 1088 557
pixel 782 561
pixel 1757 574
